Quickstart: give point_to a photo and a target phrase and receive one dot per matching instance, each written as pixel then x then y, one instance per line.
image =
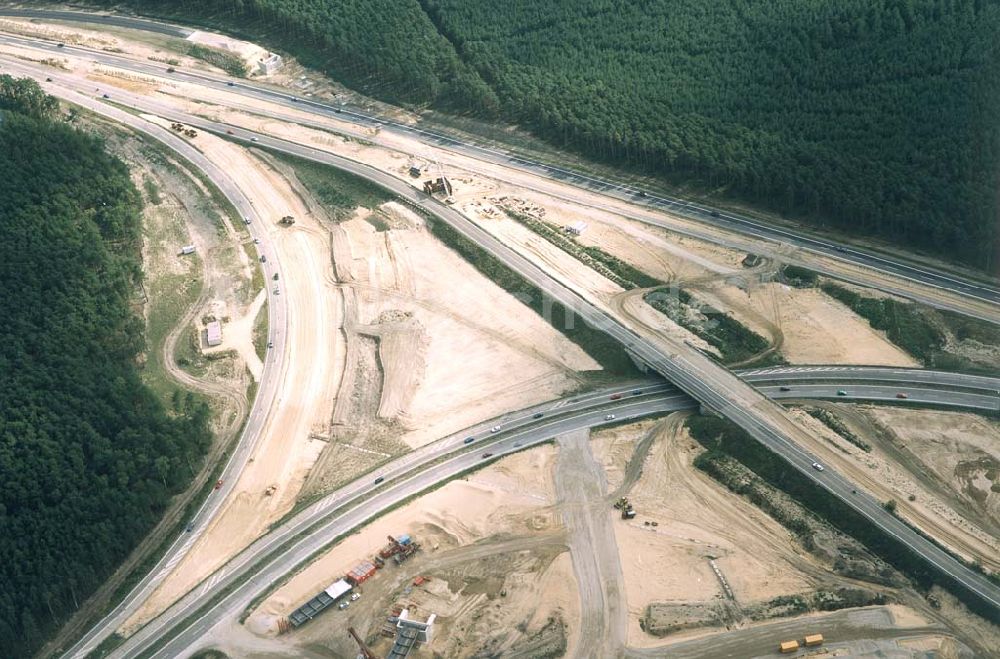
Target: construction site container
pixel 361 572
pixel 788 647
pixel 813 640
pixel 404 539
pixel 338 589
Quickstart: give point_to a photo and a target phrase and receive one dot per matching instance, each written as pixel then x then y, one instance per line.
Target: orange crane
pixel 365 652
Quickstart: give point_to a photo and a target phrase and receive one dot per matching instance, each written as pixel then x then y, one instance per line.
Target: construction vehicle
pixel 621 503
pixel 390 549
pixel 191 132
pixel 287 221
pixel 787 647
pixel 379 563
pixel 271 489
pixel 813 640
pixel 628 513
pixel 364 652
pixel 405 551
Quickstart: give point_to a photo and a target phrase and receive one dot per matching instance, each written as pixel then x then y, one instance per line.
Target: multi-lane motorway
pixel 274 555
pixel 896 267
pixel 690 370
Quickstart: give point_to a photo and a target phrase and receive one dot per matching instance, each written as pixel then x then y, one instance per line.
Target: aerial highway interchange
pixel 745 398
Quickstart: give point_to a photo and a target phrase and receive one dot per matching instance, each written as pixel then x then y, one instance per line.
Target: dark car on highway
pixel 469 440
pixel 379 480
pixel 537 415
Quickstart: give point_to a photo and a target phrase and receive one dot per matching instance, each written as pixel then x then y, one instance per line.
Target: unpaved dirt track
pixel 867 623
pixel 580 491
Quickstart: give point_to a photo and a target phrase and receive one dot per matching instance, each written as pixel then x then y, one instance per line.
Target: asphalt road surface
pixel 272 556
pixel 744 225
pixel 100 19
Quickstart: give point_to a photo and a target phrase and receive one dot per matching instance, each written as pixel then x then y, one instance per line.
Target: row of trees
pixel 872 115
pixel 88 456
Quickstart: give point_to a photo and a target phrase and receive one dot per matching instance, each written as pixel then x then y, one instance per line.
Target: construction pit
pixel 492 567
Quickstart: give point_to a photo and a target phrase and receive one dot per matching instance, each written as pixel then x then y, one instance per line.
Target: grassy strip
pixel 340 193
pixel 833 422
pixel 106 646
pixel 735 342
pixel 611 267
pixel 799 277
pixel 720 436
pixel 903 323
pixel 971 329
pixel 260 332
pixel 605 350
pixel 152 191
pixel 228 62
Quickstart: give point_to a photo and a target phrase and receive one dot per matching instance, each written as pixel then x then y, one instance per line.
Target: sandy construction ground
pixel 433 345
pixel 888 474
pixel 813 327
pixel 698 521
pixel 963 450
pixel 492 531
pixel 309 379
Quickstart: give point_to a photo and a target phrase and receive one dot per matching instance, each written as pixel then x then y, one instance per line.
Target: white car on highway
pixel 817 466
pixel 495 429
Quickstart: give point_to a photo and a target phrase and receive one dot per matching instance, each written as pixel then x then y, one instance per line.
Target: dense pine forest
pixel 88 456
pixel 872 116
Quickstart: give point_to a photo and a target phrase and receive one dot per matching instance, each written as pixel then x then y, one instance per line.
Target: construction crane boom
pixel 365 652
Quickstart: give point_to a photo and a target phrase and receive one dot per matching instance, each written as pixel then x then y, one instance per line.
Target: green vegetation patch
pixel 260 332
pixel 735 342
pixel 833 422
pixel 229 62
pixel 724 440
pixel 624 274
pixel 799 277
pixel 89 456
pixel 971 329
pixel 339 192
pixel 605 350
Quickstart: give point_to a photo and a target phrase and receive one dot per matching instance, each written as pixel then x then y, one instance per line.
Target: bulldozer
pixel 287 221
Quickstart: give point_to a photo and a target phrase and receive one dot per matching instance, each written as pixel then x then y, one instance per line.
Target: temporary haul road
pixel 746 226
pixel 693 372
pixel 295 541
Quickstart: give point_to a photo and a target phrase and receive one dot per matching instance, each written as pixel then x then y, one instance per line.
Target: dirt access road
pixel 307 382
pixel 580 493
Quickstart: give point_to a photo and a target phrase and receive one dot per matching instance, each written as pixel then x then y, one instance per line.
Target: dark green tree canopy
pixel 88 456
